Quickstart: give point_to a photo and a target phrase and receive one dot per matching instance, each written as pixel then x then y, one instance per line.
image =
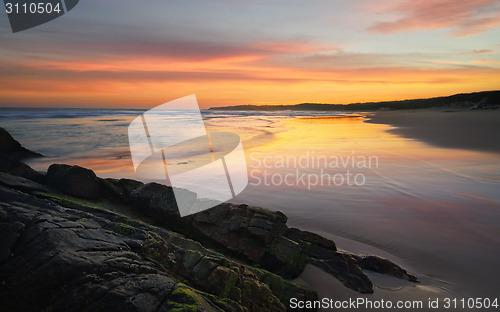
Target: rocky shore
pixel 72 241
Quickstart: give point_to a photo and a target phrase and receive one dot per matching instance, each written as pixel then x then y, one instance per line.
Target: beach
pixel 428 207
pixel 461 275
pixel 461 129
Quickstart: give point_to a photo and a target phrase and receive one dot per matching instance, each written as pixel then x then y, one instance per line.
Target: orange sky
pixel 352 53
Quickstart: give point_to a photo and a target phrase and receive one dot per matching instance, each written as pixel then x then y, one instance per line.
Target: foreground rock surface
pixel 62 259
pixel 72 241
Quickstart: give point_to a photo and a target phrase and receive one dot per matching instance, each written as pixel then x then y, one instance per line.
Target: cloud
pixel 465 18
pixel 483 51
pixel 488 62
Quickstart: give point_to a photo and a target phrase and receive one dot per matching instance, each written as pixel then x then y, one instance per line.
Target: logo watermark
pixel 170 142
pixel 310 170
pixel 25 14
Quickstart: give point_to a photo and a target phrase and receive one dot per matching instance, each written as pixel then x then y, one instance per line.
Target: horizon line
pixel 254 105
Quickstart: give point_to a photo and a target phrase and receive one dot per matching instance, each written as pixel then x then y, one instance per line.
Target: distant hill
pixel 485 99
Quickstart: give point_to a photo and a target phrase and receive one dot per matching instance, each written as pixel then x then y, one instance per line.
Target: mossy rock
pixel 185 298
pixel 284 289
pixel 123 229
pixel 285 257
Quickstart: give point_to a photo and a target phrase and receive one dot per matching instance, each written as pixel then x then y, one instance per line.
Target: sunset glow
pixel 120 54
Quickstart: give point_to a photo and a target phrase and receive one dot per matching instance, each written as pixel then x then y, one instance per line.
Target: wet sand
pixel 464 129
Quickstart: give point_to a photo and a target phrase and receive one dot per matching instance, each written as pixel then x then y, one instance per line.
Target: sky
pixel 140 54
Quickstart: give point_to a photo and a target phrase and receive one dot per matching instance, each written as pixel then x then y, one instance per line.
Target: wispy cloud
pixel 465 18
pixel 490 62
pixel 483 51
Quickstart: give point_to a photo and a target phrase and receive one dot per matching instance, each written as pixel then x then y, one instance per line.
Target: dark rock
pixel 75 181
pixel 157 202
pixel 259 233
pixel 346 269
pixel 123 187
pixel 313 238
pixel 316 251
pixel 294 234
pixel 129 185
pixel 224 279
pixel 11 148
pixel 283 248
pixel 62 265
pixel 61 259
pixel 246 230
pixel 313 245
pixel 204 268
pixel 384 266
pixel 285 289
pixel 20 183
pixel 316 239
pixel 13 166
pixel 285 257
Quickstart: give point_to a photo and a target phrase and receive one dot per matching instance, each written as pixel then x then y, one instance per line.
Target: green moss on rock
pixel 123 229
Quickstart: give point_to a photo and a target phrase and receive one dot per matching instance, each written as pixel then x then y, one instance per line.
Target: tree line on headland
pixel 477 100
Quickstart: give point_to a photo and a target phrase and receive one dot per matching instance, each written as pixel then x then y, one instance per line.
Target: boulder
pixel 123 187
pixel 240 228
pixel 10 147
pixel 75 181
pixel 345 268
pixel 129 185
pixel 157 202
pixel 384 266
pixel 11 152
pixel 314 245
pixel 13 166
pixel 285 258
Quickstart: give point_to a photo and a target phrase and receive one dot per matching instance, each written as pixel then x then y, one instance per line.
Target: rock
pixel 316 245
pixel 284 289
pixel 157 202
pixel 129 185
pixel 124 187
pixel 224 279
pixel 11 148
pixel 285 258
pixel 13 166
pixel 59 264
pixel 75 181
pixel 319 252
pixel 62 259
pixel 346 269
pixel 20 183
pixel 316 239
pixel 11 152
pixel 384 266
pixel 246 230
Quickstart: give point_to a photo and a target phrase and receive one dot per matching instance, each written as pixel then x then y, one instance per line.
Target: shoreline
pixel 458 129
